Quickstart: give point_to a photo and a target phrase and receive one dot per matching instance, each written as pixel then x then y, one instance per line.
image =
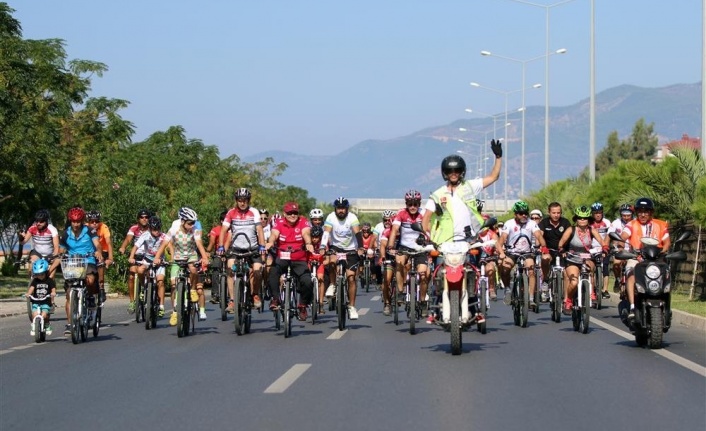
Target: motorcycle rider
pixel 643 226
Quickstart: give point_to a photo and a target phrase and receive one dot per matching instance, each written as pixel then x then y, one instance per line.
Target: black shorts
pixel 352 258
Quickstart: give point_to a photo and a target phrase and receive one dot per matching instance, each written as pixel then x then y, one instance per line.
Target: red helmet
pixel 412 195
pixel 76 214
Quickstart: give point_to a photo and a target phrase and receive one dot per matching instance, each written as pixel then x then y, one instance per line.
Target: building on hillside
pixel 685 141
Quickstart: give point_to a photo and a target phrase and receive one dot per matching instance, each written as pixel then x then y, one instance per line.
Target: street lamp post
pixel 547 54
pixel 524 66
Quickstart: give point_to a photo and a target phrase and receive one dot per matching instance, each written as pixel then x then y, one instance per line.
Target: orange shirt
pixel 103 236
pixel 657 229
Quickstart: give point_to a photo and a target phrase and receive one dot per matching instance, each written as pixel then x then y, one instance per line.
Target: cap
pixel 290 206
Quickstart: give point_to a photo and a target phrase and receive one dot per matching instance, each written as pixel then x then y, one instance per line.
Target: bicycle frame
pixel 186 310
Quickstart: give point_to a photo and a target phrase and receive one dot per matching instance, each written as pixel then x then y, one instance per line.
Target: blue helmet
pixel 40 266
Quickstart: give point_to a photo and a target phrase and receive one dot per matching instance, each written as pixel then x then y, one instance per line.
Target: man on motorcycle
pixel 643 226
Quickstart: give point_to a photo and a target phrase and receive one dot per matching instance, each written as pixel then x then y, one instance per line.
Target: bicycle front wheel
pixel 97 322
pixel 314 300
pixel 524 300
pixel 287 309
pixel 483 306
pixel 238 305
pixel 585 309
pixel 412 314
pixel 75 318
pixel 223 296
pixel 149 311
pixel 139 301
pixel 182 310
pixel 38 330
pixel 341 304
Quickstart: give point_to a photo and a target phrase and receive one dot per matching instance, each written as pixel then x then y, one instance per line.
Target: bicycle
pixel 242 299
pixel 556 287
pixel 519 298
pixel 219 286
pixel 598 277
pixel 411 289
pixel 338 302
pixel 187 311
pixel 538 281
pixel 38 321
pixel 74 269
pixel 151 297
pixel 366 280
pixel 482 293
pixel 580 311
pixel 288 297
pixel 139 294
pixel 314 265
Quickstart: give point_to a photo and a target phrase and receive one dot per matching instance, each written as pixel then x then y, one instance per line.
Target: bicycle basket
pixel 74 267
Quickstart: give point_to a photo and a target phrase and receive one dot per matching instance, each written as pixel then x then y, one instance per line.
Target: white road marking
pixel 124 322
pixel 375 298
pixel 337 335
pixel 363 311
pixel 689 365
pixel 2 352
pixel 26 346
pixel 280 385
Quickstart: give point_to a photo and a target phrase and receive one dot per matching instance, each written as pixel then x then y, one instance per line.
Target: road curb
pixel 10 307
pixel 681 318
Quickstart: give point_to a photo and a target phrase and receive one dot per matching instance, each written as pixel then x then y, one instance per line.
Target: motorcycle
pixel 653 314
pixel 455 311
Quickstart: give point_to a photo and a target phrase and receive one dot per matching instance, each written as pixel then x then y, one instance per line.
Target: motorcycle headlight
pixel 654 287
pixel 653 272
pixel 454 259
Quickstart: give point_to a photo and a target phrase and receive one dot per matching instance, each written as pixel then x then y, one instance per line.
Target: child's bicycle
pixel 39 331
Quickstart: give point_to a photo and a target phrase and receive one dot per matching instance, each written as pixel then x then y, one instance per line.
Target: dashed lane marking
pixel 337 335
pixel 287 379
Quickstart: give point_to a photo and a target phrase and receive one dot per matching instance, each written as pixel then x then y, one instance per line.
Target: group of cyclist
pixel 292 242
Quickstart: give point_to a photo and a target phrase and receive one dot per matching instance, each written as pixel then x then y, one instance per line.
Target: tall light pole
pixel 547 8
pixel 507 94
pixel 524 67
pixel 592 102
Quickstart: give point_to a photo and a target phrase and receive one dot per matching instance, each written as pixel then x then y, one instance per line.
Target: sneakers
pixel 160 313
pixel 593 297
pixel 544 296
pixel 425 309
pixel 507 299
pixel 321 309
pixel 131 307
pixel 67 329
pixel 480 318
pixel 401 297
pixel 302 315
pixel 568 306
pixel 386 310
pixel 352 313
pixel 330 291
pixel 194 295
pixel 274 304
pixel 202 315
pixel 48 330
pixel 31 329
pixel 532 304
pixel 173 319
pixel 431 319
pixel 493 295
pixel 215 299
pixel 605 294
pixel 616 286
pixel 256 301
pixel 102 295
pixel 230 309
pixel 631 314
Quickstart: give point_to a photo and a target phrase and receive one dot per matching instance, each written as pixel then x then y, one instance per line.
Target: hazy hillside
pixel 413 161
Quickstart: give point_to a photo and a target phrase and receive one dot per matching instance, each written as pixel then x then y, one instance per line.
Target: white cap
pixel 536 212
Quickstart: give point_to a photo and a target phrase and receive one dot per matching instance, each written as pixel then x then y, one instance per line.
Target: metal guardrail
pixel 376 205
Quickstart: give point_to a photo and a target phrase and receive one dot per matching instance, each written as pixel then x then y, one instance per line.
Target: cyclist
pixel 265 222
pixel 43 288
pixel 343 229
pixel 489 234
pixel 602 225
pixel 643 226
pixel 94 222
pixel 626 215
pixel 552 228
pixel 386 222
pixel 517 237
pixel 385 261
pixel 216 262
pixel 453 206
pixel 578 240
pixel 536 216
pixel 187 245
pixel 293 234
pixel 370 245
pixel 147 245
pixel 401 225
pixel 133 233
pixel 316 234
pixel 78 239
pixel 316 217
pixel 243 223
pixel 44 237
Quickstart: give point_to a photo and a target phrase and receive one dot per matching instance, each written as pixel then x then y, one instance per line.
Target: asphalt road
pixel 374 375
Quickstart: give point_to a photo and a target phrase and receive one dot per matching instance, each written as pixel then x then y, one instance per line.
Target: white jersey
pixel 602 227
pixel 342 231
pixel 519 238
pixel 266 230
pixel 618 226
pixel 378 230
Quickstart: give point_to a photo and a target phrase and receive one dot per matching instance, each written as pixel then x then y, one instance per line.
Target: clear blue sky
pixel 317 77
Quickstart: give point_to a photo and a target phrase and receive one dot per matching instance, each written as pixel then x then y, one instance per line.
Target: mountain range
pixel 413 161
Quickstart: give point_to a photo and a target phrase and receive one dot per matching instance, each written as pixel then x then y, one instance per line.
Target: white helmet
pixel 187 214
pixel 388 214
pixel 316 213
pixel 536 212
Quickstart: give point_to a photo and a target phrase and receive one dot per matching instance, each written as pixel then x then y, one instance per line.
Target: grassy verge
pixel 680 301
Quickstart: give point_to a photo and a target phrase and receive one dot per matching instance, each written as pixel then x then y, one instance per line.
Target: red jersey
pixel 291 236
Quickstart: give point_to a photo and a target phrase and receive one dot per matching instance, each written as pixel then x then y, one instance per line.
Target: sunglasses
pixel 455 171
pixel 292 213
pixel 521 213
pixel 189 223
pixel 583 218
pixel 535 218
pixel 386 220
pixel 144 217
pixel 413 203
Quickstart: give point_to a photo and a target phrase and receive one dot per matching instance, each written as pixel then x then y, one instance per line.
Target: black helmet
pixel 453 163
pixel 41 215
pixel 340 202
pixel 243 193
pixel 317 231
pixel 144 212
pixel 644 204
pixel 155 223
pixel 93 215
pixel 223 215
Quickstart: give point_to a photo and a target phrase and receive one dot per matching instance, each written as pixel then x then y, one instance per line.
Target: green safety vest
pixel 442 222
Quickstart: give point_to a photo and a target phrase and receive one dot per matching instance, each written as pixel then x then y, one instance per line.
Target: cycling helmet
pixel 76 214
pixel 365 227
pixel 644 204
pixel 626 209
pixel 276 216
pixel 243 193
pixel 582 212
pixel 536 212
pixel 93 215
pixel 412 195
pixel 144 212
pixel 264 211
pixel 340 202
pixel 187 214
pixel 316 213
pixel 40 266
pixel 520 207
pixel 388 214
pixel 453 163
pixel 41 215
pixel 317 231
pixel 597 207
pixel 480 203
pixel 155 223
